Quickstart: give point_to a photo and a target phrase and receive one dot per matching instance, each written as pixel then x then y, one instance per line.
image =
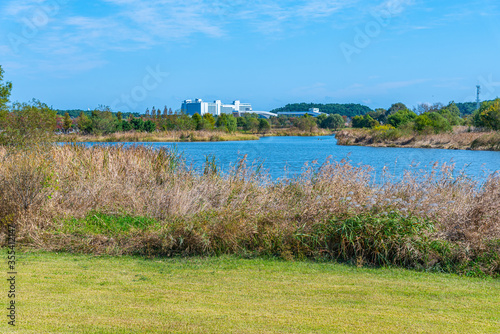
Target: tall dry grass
pixel 461 138
pixel 158 136
pixel 334 210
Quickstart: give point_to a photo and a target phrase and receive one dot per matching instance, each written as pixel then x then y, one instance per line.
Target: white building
pixel 215 108
pixel 314 112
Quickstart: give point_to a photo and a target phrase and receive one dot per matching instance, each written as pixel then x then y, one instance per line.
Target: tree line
pixel 347 109
pixel 436 118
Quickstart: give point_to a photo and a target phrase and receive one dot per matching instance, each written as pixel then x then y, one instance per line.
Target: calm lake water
pixel 282 156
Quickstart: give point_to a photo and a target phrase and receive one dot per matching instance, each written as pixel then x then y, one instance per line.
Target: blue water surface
pixel 287 156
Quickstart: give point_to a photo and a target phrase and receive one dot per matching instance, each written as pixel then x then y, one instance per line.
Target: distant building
pixel 314 112
pixel 215 108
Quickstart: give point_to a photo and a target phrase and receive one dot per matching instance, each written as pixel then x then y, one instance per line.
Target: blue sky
pixel 132 55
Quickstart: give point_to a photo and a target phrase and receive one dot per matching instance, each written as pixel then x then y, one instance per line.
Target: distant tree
pixel 334 121
pixel 488 115
pixel 364 122
pixel 252 124
pixel 104 121
pixel 227 122
pixel 165 112
pixel 396 107
pixel 210 119
pixel 401 117
pixel 451 113
pixel 137 124
pixel 84 123
pixel 126 126
pixel 149 126
pixel 358 122
pixel 305 123
pixel 197 119
pixel 147 113
pixel 5 90
pixel 431 122
pixel 349 109
pixel 264 125
pixel 68 123
pixel 32 121
pixel 119 116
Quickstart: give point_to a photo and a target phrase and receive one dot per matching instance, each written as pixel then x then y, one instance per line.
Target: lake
pixel 288 155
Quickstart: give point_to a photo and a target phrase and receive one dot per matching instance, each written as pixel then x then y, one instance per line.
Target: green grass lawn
pixel 64 293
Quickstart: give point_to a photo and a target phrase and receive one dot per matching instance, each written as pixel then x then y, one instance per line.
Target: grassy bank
pixel 159 136
pixel 140 201
pixel 296 132
pixel 60 293
pixel 460 139
pixel 185 136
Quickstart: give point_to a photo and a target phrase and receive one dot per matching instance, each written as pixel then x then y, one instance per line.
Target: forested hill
pixel 348 109
pixel 466 108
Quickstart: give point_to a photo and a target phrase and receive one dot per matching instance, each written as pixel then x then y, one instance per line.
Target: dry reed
pixel 326 211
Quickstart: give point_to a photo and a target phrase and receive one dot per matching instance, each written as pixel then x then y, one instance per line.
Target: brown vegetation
pixel 459 139
pixel 334 210
pixel 158 136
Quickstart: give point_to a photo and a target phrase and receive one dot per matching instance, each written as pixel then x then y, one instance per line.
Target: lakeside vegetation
pixel 460 139
pixel 141 201
pixel 227 294
pixel 435 126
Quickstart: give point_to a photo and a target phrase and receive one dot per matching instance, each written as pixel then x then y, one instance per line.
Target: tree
pixel 31 122
pixel 197 119
pixel 104 121
pixel 396 107
pixel 334 121
pixel 451 113
pixel 401 117
pixel 137 124
pixel 364 122
pixel 252 124
pixel 432 121
pixel 227 122
pixel 210 119
pixel 68 123
pixel 149 126
pixel 84 123
pixel 488 115
pixel 119 116
pixel 358 122
pixel 305 123
pixel 5 90
pixel 126 126
pixel 264 125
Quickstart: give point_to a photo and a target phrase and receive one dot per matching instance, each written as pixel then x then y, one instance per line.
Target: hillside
pixel 348 109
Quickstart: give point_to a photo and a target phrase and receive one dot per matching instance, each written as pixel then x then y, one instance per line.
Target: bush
pixel 401 117
pixel 149 126
pixel 432 122
pixel 488 115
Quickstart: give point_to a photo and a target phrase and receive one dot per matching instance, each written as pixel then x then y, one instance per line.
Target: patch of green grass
pixel 111 225
pixel 61 293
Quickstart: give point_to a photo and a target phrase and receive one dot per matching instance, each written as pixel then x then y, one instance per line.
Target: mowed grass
pixel 65 293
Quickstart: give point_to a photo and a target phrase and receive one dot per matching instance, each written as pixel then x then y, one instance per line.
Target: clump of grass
pixel 151 203
pixel 95 223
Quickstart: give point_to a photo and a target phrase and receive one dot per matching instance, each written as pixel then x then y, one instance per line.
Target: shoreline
pixel 459 140
pixel 181 136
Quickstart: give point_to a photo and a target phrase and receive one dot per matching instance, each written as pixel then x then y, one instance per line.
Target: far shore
pixel 459 139
pixel 185 136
